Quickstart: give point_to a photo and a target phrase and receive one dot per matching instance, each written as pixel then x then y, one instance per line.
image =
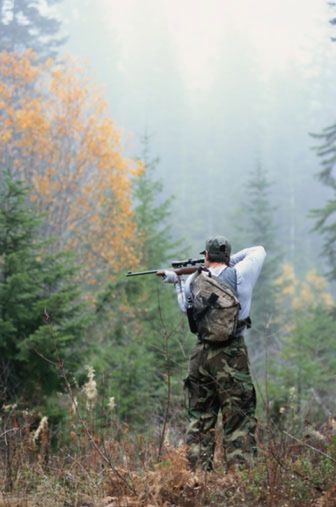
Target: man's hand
pixel 168 276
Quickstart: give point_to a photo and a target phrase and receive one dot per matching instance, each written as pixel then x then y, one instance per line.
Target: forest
pixel 95 182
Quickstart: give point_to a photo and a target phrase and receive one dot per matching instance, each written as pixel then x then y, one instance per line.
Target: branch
pixel 310 447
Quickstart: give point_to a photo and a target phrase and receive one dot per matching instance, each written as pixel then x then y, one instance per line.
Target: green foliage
pixel 261 231
pixel 152 216
pixel 139 324
pixel 120 353
pixel 257 228
pixel 163 319
pixel 130 373
pixel 325 217
pixel 36 289
pixel 305 366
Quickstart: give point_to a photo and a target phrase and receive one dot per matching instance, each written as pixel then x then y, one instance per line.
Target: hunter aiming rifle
pixel 186 267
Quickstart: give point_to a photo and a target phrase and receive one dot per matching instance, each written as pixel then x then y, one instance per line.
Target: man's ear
pixel 206 258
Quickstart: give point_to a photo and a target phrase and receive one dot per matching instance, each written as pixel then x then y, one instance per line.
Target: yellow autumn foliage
pixel 57 135
pixel 296 294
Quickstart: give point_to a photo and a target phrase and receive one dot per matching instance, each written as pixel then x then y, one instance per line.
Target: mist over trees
pixel 220 145
pixel 209 137
pixel 125 155
pixel 28 24
pixel 325 216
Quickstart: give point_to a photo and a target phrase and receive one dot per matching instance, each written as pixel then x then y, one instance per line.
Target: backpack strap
pixel 234 280
pixel 228 277
pixel 245 322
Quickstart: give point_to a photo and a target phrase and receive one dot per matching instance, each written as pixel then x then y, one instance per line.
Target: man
pixel 219 376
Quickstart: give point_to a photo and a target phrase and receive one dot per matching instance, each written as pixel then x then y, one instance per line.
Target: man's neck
pixel 209 264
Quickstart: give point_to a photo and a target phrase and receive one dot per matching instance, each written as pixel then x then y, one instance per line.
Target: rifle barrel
pixel 140 273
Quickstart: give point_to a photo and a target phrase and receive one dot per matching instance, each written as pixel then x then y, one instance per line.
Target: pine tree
pixel 305 361
pixel 162 319
pixel 326 216
pixel 41 321
pixel 308 359
pixel 259 229
pixel 333 20
pixel 23 25
pixel 152 217
pixel 139 319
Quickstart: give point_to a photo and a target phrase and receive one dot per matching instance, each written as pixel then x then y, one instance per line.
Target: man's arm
pixel 171 277
pixel 248 263
pixel 181 297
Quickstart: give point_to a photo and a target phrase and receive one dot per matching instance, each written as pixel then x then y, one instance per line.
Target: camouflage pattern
pixel 217 245
pixel 219 323
pixel 219 379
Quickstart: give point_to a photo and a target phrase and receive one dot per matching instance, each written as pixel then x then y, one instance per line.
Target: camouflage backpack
pixel 213 308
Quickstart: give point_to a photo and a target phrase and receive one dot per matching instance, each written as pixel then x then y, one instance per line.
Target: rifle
pixel 186 267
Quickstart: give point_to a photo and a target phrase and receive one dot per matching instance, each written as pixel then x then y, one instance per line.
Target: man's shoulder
pixel 229 276
pixel 248 269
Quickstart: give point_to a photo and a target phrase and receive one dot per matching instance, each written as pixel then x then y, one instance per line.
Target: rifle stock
pixel 186 267
pixel 181 271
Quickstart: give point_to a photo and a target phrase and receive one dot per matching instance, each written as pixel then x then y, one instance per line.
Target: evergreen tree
pixel 306 364
pixel 333 20
pixel 259 229
pixel 310 358
pixel 35 289
pixel 326 216
pixel 24 25
pixel 163 320
pixel 152 217
pixel 139 319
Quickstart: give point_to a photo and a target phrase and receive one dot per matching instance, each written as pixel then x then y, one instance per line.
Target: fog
pixel 219 87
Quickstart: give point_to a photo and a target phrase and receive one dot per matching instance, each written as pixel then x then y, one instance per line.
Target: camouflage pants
pixel 219 379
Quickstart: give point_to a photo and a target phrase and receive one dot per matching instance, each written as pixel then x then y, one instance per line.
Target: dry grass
pixel 119 469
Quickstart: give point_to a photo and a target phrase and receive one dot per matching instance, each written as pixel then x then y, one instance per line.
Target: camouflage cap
pixel 218 245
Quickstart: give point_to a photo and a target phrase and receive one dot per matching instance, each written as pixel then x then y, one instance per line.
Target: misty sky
pixel 280 32
pixel 243 81
pixel 109 35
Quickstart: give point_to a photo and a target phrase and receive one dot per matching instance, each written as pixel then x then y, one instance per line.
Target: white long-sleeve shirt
pixel 248 264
